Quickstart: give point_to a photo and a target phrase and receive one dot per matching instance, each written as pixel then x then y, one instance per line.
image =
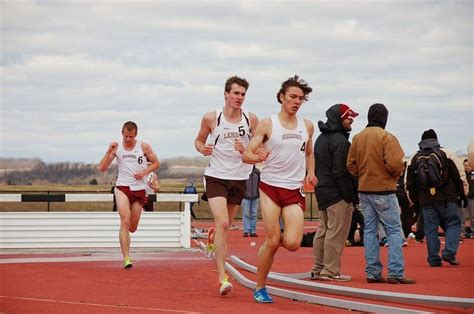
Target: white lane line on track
pixel 108 258
pixel 125 307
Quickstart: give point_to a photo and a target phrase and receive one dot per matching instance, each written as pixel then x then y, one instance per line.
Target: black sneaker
pixel 451 260
pixel 402 280
pixel 246 234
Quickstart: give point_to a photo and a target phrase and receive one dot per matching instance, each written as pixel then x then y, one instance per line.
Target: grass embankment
pixel 201 209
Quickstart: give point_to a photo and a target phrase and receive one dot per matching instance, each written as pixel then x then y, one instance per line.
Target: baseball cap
pixel 347 113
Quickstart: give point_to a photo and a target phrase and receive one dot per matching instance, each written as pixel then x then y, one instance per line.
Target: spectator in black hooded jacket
pixel 335 192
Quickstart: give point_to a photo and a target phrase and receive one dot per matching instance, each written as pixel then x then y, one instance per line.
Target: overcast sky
pixel 72 72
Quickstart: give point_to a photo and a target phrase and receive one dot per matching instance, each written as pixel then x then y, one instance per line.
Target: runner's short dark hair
pixel 130 126
pixel 237 80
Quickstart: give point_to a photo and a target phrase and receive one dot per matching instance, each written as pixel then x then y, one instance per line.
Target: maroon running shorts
pixel 283 197
pixel 134 196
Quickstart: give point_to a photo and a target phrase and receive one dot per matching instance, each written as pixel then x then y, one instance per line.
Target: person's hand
pixel 311 178
pixel 357 236
pixel 238 145
pixel 262 154
pixel 139 176
pixel 154 183
pixel 207 149
pixel 113 148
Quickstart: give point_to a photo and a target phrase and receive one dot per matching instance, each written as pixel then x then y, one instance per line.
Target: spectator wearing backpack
pixel 376 158
pixel 434 181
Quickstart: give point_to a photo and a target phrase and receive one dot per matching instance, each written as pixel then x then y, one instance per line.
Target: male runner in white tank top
pixel 287 156
pixel 223 136
pixel 132 157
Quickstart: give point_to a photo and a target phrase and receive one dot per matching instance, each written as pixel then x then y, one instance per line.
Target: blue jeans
pixel 384 208
pixel 434 214
pixel 249 214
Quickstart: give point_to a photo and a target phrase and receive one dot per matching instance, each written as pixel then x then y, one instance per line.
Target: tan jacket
pixel 376 158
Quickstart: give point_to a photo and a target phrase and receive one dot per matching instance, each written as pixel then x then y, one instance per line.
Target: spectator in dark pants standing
pixel 191 189
pixel 250 204
pixel 437 189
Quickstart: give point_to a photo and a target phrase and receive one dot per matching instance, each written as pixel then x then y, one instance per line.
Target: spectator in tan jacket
pixel 376 158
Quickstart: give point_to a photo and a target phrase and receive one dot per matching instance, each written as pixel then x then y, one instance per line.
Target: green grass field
pixel 201 209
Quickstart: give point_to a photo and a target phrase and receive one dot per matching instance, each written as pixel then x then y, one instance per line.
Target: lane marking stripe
pixel 98 305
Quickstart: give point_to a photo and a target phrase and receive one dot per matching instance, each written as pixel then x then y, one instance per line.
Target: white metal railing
pixel 94 229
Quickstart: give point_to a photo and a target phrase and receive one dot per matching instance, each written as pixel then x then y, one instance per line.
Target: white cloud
pixel 73 72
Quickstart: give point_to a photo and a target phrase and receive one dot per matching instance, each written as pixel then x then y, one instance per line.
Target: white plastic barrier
pixel 93 229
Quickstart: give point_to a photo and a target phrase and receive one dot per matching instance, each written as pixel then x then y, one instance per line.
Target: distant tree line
pixel 60 173
pixel 82 173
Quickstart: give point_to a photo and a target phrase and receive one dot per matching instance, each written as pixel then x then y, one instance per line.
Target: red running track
pixel 184 281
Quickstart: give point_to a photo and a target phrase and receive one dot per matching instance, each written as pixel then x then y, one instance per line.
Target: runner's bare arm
pixel 151 158
pixel 207 125
pixel 255 153
pixel 310 176
pixel 108 157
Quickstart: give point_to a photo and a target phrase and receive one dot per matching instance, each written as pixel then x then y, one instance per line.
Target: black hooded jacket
pixel 335 183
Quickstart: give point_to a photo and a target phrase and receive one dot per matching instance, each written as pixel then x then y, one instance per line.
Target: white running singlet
pixel 286 165
pixel 225 162
pixel 130 162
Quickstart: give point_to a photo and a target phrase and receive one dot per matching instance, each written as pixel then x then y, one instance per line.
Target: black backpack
pixel 431 168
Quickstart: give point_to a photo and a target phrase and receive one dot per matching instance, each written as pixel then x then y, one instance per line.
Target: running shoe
pixel 210 242
pixel 210 250
pixel 226 286
pixel 261 296
pixel 127 263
